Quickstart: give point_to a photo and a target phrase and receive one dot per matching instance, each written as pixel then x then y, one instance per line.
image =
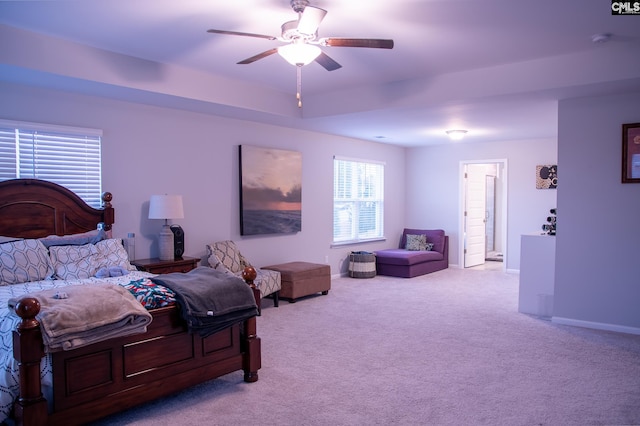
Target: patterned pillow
pixel 214 262
pixel 416 242
pixel 226 253
pixel 23 261
pixel 113 253
pixel 76 262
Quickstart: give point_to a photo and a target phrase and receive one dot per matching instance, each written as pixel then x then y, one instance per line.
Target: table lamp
pixel 166 207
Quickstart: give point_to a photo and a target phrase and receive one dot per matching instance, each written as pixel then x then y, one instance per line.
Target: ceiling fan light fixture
pixel 456 134
pixel 299 54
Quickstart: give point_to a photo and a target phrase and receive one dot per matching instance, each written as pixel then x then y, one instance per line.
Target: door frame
pixel 503 168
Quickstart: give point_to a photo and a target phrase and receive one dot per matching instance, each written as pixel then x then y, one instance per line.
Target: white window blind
pixel 358 201
pixel 70 157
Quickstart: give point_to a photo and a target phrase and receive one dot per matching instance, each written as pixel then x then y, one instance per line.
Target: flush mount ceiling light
pixel 456 134
pixel 600 38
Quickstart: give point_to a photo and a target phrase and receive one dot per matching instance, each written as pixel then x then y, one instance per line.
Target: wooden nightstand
pixel 157 266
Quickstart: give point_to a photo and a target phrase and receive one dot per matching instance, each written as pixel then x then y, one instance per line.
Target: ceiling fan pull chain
pixel 299 85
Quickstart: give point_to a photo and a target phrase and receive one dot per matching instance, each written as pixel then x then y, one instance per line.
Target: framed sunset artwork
pixel 270 191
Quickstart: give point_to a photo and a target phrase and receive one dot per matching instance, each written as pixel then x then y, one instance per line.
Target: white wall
pixel 433 189
pixel 150 150
pixel 598 242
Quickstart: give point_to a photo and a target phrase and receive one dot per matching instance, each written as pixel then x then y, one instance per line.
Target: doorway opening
pixel 483 212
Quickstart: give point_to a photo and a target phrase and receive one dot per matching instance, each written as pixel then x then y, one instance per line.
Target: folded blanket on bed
pixel 210 300
pixel 79 315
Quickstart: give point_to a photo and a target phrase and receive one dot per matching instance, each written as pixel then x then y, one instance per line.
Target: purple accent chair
pixel 405 263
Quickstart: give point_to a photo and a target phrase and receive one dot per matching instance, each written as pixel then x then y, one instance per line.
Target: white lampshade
pixel 166 207
pixel 299 54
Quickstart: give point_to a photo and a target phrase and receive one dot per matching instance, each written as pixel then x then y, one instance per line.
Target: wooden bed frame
pixel 105 378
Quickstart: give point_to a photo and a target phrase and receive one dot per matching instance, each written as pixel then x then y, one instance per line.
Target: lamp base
pixel 165 243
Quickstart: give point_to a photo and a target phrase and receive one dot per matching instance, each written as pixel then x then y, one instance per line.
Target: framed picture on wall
pixel 547 176
pixel 631 153
pixel 270 191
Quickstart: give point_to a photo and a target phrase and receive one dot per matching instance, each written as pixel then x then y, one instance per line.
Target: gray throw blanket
pixel 210 300
pixel 79 315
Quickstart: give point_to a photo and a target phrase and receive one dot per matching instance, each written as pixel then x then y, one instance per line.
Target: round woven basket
pixel 362 265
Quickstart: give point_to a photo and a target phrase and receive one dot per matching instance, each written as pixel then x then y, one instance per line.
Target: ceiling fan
pixel 302 36
pixel 303 43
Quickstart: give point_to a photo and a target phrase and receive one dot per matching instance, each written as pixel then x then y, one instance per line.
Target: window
pixel 68 156
pixel 358 200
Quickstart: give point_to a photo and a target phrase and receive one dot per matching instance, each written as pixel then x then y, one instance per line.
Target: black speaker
pixel 178 240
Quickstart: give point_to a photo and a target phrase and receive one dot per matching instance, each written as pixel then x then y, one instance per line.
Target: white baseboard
pixel 596 325
pixel 508 271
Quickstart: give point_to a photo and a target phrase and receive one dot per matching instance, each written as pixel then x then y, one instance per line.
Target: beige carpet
pixel 448 348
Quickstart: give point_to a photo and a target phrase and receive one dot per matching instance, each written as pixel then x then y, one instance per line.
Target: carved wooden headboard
pixel 33 208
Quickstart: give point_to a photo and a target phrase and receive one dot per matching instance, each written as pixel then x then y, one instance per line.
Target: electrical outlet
pixel 326 259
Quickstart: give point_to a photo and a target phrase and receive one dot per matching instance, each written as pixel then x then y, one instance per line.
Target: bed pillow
pixel 8 239
pixel 114 254
pixel 416 242
pixel 76 262
pixel 91 237
pixel 23 261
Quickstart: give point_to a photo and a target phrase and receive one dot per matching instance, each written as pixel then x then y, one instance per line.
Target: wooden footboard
pixel 108 377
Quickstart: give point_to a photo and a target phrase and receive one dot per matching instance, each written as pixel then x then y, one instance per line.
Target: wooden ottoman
pixel 302 279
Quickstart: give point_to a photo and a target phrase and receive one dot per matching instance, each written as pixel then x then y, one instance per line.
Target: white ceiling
pixel 494 67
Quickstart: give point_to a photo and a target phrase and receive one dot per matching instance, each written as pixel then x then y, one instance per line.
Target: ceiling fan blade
pixel 268 37
pixel 259 56
pixel 357 42
pixel 328 63
pixel 310 20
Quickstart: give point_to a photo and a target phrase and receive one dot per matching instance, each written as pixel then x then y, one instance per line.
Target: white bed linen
pixel 9 374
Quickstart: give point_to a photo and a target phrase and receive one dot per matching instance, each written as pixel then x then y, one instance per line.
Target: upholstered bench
pixel 300 279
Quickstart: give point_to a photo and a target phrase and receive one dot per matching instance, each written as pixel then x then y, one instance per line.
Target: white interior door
pixel 491 216
pixel 475 215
